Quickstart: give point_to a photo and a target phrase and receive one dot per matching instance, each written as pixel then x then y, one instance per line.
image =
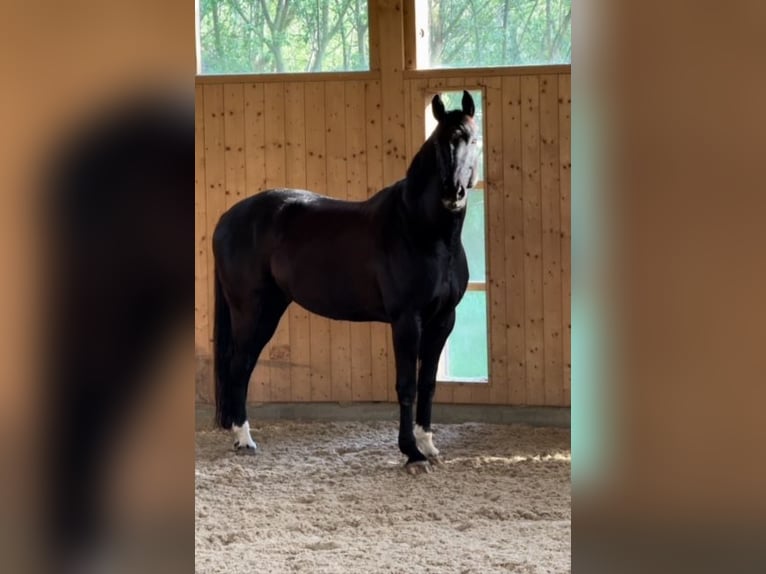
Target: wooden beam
pixel 282 78
pixel 471 74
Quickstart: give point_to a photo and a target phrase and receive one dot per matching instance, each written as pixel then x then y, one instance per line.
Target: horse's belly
pixel 344 313
pixel 333 291
pixel 335 305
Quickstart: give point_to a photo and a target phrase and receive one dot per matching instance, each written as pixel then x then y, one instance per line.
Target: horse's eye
pixel 473 141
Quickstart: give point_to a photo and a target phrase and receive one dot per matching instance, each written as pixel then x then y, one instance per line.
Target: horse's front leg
pixel 432 342
pixel 406 336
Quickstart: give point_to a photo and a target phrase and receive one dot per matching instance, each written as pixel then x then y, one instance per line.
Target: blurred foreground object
pixel 668 469
pixel 121 219
pixel 96 162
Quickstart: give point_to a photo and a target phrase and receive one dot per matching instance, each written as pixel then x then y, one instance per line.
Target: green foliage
pixel 267 36
pixel 480 33
pixel 276 36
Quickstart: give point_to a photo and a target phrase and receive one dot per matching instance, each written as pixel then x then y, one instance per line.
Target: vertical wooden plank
pixel 533 269
pixel 437 85
pixel 340 338
pixel 255 159
pixel 214 171
pixel 408 127
pixel 458 84
pixel 379 332
pixel 295 177
pixel 565 183
pixel 496 392
pixel 202 348
pixel 551 236
pixel 418 103
pixel 234 148
pixel 390 22
pixel 410 36
pixel 356 179
pixel 255 181
pixel 514 242
pixel 277 353
pixel 316 174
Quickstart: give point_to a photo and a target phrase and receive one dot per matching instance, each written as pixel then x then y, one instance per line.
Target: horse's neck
pixel 428 219
pixel 424 168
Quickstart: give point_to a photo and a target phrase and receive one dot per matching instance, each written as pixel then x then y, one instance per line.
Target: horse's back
pixel 300 240
pixel 253 218
pixel 324 256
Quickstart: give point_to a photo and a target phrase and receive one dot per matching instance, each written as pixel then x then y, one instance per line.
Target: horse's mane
pixel 422 165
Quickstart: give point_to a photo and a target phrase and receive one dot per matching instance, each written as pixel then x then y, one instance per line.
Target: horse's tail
pixel 222 345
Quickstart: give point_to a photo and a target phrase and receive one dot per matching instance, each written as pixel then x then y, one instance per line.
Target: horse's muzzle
pixel 455 205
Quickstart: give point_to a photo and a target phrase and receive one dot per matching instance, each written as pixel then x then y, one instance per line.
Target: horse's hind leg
pixel 243 359
pixel 252 329
pixel 432 342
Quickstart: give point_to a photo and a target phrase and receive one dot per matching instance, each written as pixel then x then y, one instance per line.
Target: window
pixel 481 33
pixel 282 36
pixel 465 356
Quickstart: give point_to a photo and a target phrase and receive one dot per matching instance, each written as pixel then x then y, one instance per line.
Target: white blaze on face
pixel 242 436
pixel 424 442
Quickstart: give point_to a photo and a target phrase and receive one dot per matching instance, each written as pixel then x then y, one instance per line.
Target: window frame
pixel 482 286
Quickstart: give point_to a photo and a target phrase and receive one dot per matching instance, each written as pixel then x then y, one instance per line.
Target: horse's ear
pixel 468 106
pixel 437 106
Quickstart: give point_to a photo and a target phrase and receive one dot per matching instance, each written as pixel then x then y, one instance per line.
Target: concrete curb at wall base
pixel 497 414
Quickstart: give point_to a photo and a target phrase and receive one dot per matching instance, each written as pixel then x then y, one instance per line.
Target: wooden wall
pixel 349 135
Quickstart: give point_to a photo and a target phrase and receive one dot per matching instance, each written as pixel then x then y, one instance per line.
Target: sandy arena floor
pixel 332 497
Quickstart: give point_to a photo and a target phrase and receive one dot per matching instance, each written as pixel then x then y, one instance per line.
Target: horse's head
pixel 457 152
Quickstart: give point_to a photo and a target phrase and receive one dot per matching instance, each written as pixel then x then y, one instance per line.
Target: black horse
pixel 395 258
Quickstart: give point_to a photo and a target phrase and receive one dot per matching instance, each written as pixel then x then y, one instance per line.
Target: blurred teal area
pixel 591 434
pixel 473 236
pixel 467 346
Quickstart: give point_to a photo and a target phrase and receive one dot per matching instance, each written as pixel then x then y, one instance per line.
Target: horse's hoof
pixel 436 460
pixel 424 442
pixel 244 448
pixel 418 467
pixel 242 438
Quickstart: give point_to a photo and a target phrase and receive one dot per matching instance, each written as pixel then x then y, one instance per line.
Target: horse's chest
pixel 428 279
pixel 448 287
pixel 444 280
